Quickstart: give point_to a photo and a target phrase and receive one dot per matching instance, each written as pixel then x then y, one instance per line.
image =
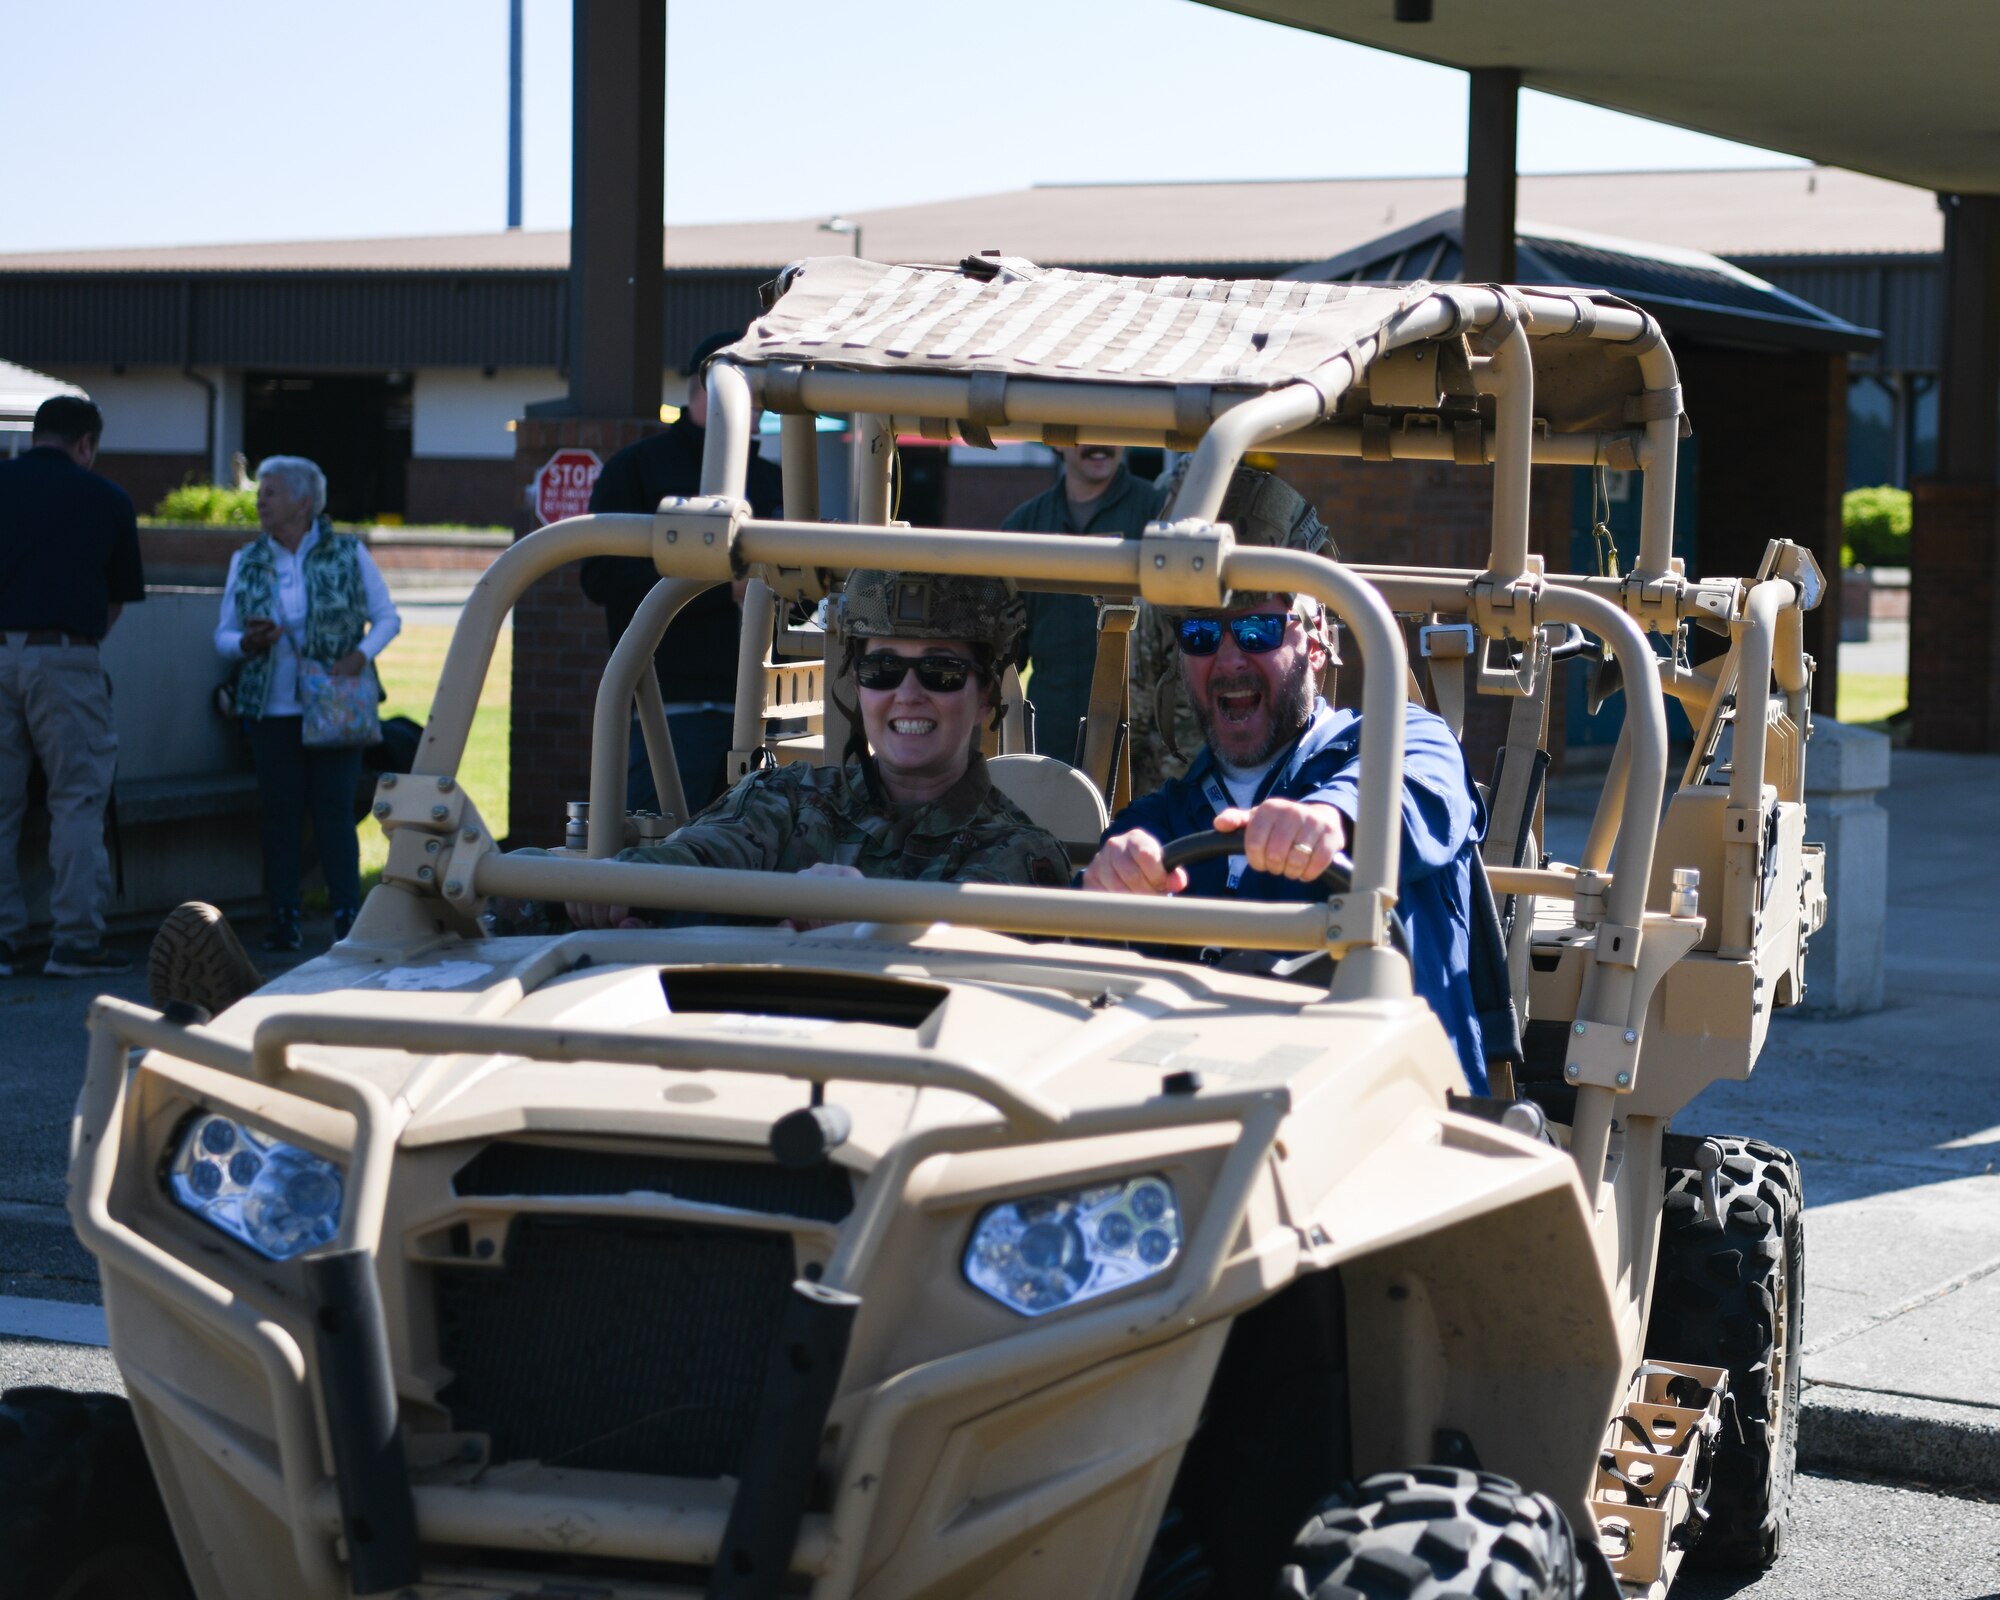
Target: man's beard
pixel 1290 706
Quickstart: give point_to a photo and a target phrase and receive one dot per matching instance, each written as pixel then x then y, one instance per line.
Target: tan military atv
pixel 954 1249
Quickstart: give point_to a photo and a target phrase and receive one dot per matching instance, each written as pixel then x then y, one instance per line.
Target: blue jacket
pixel 1443 822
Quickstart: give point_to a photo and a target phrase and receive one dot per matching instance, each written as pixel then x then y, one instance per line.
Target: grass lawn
pixel 409 669
pixel 1870 698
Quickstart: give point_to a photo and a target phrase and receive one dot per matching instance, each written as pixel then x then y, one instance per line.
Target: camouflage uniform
pixel 784 819
pixel 1263 510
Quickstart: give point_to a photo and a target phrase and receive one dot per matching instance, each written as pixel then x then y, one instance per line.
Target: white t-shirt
pixel 1242 783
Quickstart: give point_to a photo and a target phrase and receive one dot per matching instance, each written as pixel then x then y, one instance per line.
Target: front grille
pixel 823 1193
pixel 613 1345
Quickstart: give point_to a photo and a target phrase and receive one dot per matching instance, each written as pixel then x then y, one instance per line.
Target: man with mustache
pixel 1281 767
pixel 1096 493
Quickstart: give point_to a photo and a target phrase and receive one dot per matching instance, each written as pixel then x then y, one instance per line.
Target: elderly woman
pixel 912 799
pixel 301 591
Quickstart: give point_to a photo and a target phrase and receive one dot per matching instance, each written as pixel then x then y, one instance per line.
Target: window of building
pixel 356 426
pixel 1872 431
pixel 1923 425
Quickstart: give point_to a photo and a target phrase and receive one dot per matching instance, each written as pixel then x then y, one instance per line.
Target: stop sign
pixel 562 487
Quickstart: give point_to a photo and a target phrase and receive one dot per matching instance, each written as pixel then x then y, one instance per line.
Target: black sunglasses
pixel 1257 634
pixel 884 669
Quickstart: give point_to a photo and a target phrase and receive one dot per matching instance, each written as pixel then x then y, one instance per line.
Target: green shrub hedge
pixel 1875 525
pixel 210 503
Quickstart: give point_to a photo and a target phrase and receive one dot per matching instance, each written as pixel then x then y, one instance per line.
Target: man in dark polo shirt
pixel 69 563
pixel 696 660
pixel 1096 493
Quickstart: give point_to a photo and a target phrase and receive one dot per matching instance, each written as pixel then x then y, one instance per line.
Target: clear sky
pixel 136 122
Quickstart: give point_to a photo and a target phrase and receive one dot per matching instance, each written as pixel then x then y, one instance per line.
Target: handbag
pixel 340 713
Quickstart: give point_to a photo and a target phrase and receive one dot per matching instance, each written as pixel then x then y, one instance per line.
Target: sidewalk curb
pixel 1899 1436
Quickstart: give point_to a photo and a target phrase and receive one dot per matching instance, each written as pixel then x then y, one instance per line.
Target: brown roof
pixel 1757 212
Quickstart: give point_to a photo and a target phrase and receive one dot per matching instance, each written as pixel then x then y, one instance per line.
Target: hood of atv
pixel 1081 1027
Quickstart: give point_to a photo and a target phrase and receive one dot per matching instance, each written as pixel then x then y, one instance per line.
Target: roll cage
pixel 1475 375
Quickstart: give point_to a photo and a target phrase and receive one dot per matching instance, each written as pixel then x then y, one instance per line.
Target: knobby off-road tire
pixel 1731 1297
pixel 80 1516
pixel 1434 1533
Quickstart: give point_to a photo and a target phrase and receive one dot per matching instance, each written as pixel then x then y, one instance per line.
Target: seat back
pixel 1055 796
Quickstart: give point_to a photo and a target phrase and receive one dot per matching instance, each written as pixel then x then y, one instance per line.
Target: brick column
pixel 559 646
pixel 1954 674
pixel 1955 539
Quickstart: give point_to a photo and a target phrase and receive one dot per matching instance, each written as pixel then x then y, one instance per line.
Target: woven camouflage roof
pixel 1013 317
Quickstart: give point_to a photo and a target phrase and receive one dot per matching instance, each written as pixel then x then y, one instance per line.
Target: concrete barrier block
pixel 1845 769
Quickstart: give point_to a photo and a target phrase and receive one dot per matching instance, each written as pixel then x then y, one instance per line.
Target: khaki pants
pixel 55 703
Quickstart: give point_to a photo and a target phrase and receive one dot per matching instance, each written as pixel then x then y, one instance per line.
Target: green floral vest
pixel 336 607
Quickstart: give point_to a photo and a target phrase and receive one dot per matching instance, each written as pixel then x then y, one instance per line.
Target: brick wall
pixel 1772 434
pixel 186 553
pixel 559 647
pixel 479 490
pixel 1432 514
pixel 1954 671
pixel 981 497
pixel 147 476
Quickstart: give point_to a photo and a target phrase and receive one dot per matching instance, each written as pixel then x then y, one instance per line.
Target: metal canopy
pixel 1196 345
pixel 22 391
pixel 1012 317
pixel 1903 92
pixel 1690 291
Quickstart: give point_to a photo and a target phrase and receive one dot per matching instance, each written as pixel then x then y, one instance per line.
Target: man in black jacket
pixel 69 563
pixel 696 660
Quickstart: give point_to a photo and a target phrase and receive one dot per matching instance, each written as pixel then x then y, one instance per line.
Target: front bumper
pixel 337 1471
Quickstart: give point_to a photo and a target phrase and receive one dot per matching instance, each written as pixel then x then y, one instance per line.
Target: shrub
pixel 1875 524
pixel 209 503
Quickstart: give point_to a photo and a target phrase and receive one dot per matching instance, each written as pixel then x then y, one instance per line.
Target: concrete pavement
pixel 1896 1118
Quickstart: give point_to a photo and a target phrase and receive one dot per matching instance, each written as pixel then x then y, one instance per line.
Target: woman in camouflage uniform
pixel 912 798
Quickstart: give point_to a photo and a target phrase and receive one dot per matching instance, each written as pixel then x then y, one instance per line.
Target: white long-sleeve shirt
pixel 384 623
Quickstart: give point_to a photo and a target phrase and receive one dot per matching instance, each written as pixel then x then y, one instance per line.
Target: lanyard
pixel 1219 801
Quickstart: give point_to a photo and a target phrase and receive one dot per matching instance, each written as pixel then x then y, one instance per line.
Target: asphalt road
pixel 1858 1539
pixel 42 1043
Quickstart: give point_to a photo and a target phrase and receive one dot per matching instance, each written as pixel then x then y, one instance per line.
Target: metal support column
pixel 1955 548
pixel 617 207
pixel 1490 136
pixel 1969 387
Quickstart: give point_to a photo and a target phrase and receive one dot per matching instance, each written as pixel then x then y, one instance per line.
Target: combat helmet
pixel 1263 510
pixel 924 605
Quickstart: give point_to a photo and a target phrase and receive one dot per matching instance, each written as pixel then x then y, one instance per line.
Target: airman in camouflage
pixel 913 801
pixel 1263 510
pixel 797 817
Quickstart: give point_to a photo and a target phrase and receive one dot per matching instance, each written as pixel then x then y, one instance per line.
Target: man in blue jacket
pixel 1281 767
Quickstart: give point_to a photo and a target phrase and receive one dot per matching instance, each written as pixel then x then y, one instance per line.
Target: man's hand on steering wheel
pixel 1130 864
pixel 1282 837
pixel 1286 838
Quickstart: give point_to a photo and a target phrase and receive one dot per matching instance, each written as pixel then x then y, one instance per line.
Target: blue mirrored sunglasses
pixel 1257 634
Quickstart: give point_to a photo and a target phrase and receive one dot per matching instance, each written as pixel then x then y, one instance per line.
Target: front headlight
pixel 1039 1255
pixel 278 1199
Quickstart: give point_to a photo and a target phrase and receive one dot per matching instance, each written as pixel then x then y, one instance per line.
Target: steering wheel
pixel 1206 846
pixel 1337 879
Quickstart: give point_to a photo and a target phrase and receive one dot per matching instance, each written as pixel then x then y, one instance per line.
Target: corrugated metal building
pixel 401 363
